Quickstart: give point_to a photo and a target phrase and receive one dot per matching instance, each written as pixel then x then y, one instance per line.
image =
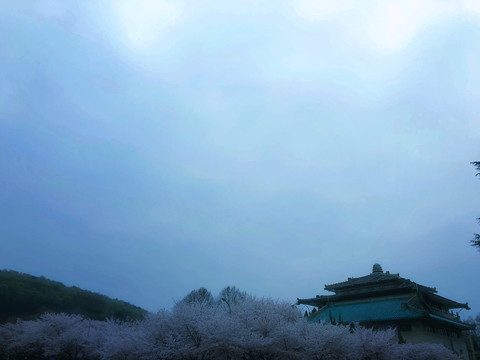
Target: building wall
pixel 428 333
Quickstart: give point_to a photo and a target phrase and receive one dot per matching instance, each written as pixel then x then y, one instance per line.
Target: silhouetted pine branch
pixel 476 237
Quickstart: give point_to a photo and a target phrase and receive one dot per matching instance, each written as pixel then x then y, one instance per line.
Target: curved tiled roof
pixel 375 279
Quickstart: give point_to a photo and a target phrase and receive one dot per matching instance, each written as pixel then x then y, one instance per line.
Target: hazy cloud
pixel 275 146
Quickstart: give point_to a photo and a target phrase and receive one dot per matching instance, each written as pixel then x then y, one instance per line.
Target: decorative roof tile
pixel 374 278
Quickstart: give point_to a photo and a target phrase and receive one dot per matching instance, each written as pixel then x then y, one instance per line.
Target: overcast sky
pixel 148 148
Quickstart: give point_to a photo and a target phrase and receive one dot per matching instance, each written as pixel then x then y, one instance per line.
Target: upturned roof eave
pixel 450 304
pixel 459 324
pixel 311 301
pixel 321 300
pixel 376 279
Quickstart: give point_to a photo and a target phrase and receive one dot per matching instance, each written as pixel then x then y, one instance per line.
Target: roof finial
pixel 377 269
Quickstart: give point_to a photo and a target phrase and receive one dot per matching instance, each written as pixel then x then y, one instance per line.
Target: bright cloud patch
pixel 315 10
pixel 386 25
pixel 143 21
pixel 393 24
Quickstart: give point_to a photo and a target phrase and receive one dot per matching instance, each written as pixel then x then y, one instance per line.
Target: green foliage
pixel 26 296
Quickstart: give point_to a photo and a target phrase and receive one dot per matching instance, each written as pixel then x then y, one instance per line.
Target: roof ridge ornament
pixel 377 269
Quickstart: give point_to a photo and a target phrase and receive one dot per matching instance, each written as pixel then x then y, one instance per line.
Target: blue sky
pixel 149 148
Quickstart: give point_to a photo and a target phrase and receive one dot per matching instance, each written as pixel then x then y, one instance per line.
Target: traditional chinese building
pixel 382 300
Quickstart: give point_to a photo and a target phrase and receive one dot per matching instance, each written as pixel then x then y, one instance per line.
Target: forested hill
pixel 26 296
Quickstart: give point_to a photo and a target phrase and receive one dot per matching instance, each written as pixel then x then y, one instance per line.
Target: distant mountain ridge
pixel 26 296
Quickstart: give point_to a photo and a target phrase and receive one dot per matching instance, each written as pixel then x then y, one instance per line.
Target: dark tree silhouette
pixel 476 237
pixel 232 295
pixel 198 297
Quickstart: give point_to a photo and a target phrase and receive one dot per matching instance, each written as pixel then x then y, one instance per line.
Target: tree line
pixel 231 326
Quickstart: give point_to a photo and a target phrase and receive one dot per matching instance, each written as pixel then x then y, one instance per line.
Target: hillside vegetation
pixel 26 296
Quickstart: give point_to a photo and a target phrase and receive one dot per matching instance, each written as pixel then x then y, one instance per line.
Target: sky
pixel 152 147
